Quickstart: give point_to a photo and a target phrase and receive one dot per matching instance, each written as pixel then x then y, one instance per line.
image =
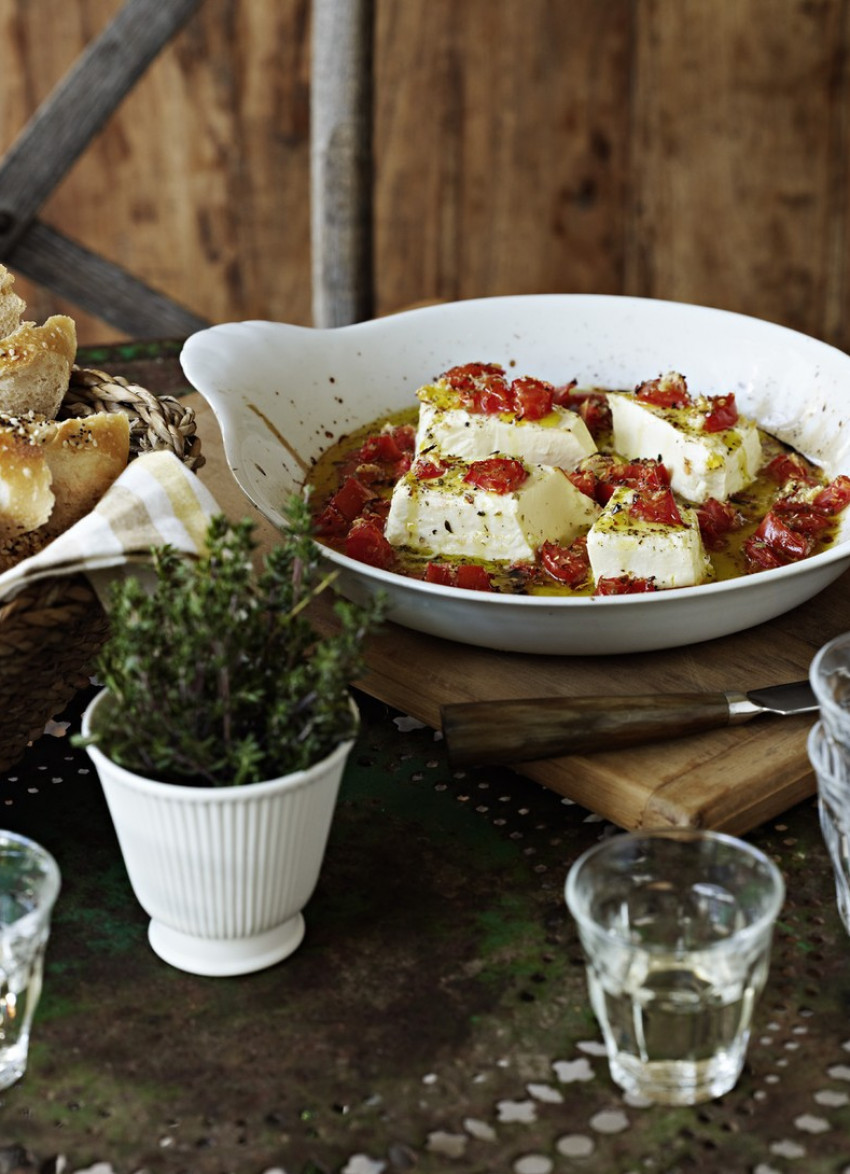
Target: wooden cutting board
pixel 731 779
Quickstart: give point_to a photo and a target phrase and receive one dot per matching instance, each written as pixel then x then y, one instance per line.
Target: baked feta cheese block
pixel 702 464
pixel 559 438
pixel 451 515
pixel 623 543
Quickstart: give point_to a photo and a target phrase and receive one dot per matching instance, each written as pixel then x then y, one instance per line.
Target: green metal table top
pixel 435 1017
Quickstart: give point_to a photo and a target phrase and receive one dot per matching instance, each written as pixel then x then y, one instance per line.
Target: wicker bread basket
pixel 51 631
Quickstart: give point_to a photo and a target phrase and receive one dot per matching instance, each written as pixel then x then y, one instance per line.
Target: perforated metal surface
pixel 435 1018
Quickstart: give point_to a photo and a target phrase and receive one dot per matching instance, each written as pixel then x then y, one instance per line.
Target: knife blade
pixel 521 730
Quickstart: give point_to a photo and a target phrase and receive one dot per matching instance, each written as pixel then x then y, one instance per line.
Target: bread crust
pixel 84 457
pixel 11 306
pixel 52 472
pixel 35 366
pixel 26 496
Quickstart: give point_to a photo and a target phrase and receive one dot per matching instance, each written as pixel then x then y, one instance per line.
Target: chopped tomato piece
pixel 427 468
pixel 646 474
pixel 405 437
pixel 497 474
pixel 716 519
pixel 490 399
pixel 367 544
pixel 381 447
pixel 330 523
pixel 722 415
pixel 596 413
pixel 564 394
pixel 657 505
pixel 835 497
pixel 788 544
pixel 624 585
pixel 467 575
pixel 351 497
pixel 760 556
pixel 669 391
pixel 585 481
pixel 567 564
pixel 467 373
pixel 482 387
pixel 802 516
pixel 473 578
pixel 788 466
pixel 440 573
pixel 533 398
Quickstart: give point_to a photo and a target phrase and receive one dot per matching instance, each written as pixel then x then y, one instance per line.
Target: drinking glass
pixel 29 885
pixel 829 674
pixel 831 764
pixel 677 928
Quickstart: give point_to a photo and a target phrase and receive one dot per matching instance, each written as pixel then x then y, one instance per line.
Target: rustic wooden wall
pixel 687 149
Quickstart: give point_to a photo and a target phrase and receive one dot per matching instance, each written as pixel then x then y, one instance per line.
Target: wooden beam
pixel 341 161
pixel 103 288
pixel 78 107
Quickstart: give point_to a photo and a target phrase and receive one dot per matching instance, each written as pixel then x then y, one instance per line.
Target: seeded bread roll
pixel 84 458
pixel 11 306
pixel 52 473
pixel 35 367
pixel 26 497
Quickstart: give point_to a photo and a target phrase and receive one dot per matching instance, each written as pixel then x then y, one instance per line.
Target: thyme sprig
pixel 216 674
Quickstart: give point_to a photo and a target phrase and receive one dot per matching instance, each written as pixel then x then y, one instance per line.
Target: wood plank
pixel 502 140
pixel 341 161
pixel 79 106
pixel 100 286
pixel 734 779
pixel 739 159
pixel 664 147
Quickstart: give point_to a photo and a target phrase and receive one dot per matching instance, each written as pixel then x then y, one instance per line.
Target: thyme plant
pixel 217 676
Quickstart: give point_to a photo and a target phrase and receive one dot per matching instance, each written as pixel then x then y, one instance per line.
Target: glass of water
pixel 829 674
pixel 676 928
pixel 831 763
pixel 29 886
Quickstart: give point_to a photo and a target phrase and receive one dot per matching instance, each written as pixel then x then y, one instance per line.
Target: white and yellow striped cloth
pixel 155 501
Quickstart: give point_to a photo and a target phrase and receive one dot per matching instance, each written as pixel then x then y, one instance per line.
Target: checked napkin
pixel 155 501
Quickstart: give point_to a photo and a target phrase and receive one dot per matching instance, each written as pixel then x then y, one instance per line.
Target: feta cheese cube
pixel 619 543
pixel 701 464
pixel 445 516
pixel 560 438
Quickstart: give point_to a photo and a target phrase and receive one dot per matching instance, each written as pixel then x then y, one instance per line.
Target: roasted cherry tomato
pixel 497 474
pixel 351 497
pixel 833 498
pixel 440 573
pixel 567 564
pixel 427 468
pixel 596 413
pixel 716 520
pixel 723 414
pixel 647 474
pixel 366 543
pixel 473 578
pixel 670 391
pixel 624 585
pixel 533 398
pixel 788 545
pixel 382 447
pixel 657 505
pixel 788 466
pixel 586 482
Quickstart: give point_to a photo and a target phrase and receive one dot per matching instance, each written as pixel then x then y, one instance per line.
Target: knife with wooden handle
pixel 514 730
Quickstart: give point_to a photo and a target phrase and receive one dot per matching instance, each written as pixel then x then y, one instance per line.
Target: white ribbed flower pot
pixel 223 872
